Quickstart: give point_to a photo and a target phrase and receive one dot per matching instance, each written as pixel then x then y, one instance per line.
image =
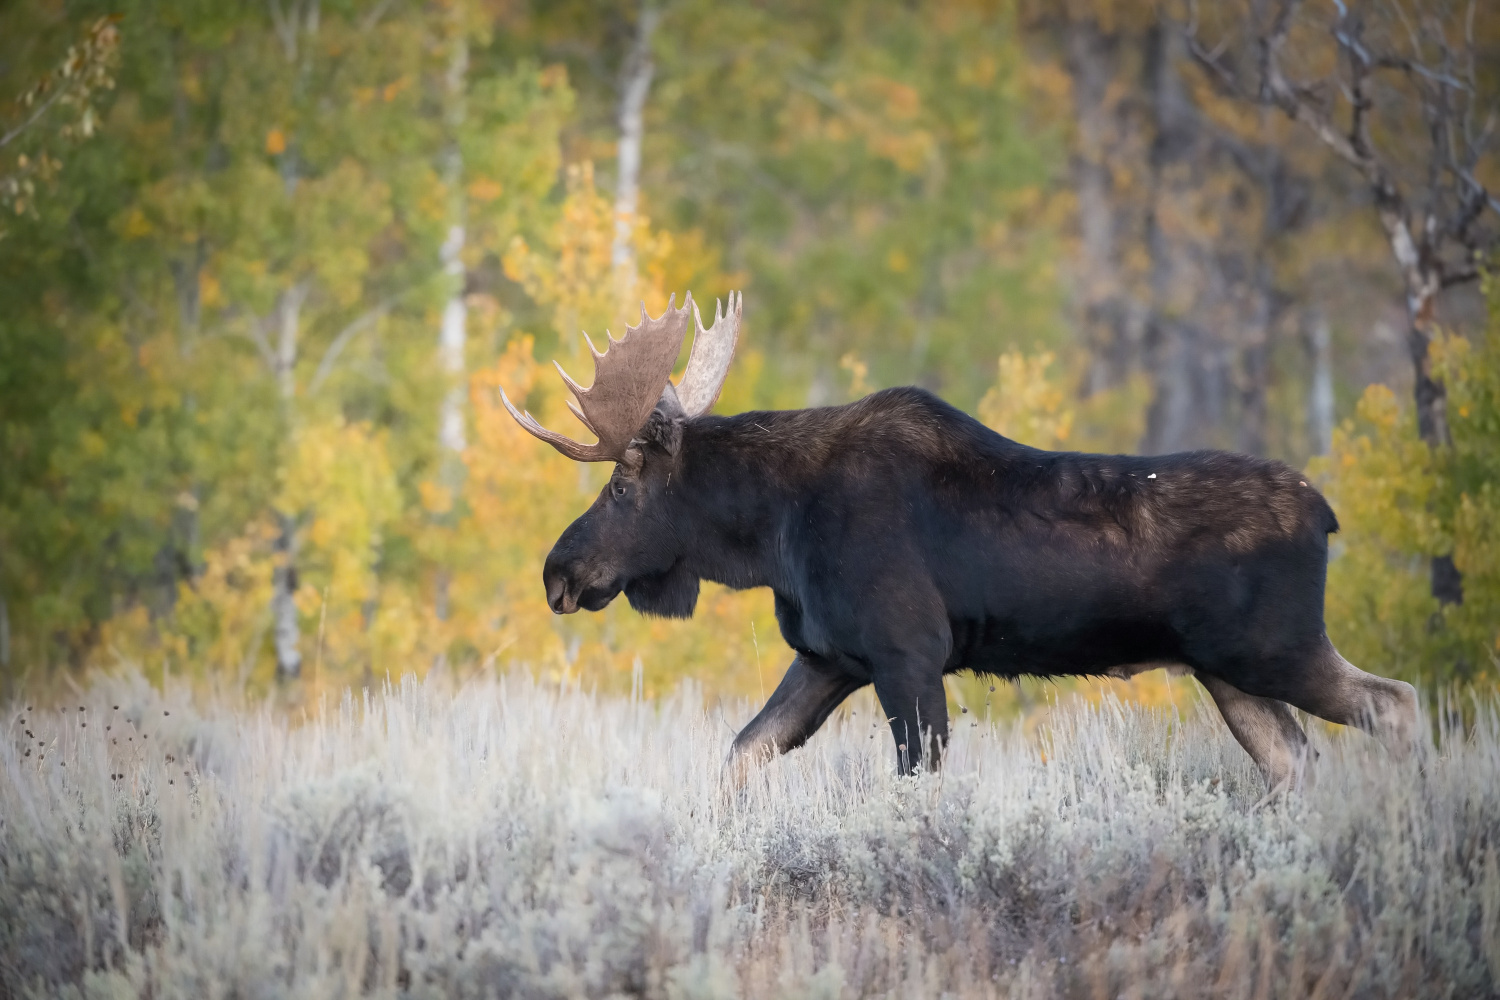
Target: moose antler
pixel 634 372
pixel 629 378
pixel 713 350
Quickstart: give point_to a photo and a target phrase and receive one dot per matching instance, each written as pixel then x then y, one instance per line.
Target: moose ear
pixel 664 426
pixel 664 431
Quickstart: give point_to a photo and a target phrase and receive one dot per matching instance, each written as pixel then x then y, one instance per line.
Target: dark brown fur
pixel 904 540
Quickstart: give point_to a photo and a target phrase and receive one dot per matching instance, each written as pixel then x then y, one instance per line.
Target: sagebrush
pixel 512 839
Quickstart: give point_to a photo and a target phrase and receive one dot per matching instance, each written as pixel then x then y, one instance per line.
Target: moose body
pixel 904 540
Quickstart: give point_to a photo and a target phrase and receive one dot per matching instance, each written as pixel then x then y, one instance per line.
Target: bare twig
pixel 376 13
pixel 347 334
pixel 41 109
pixel 256 332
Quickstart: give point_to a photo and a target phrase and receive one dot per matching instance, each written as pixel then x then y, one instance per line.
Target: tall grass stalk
pixel 509 839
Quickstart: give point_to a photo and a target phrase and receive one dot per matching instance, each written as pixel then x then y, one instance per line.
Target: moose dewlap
pixel 904 540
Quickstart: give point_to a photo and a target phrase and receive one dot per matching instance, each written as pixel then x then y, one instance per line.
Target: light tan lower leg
pixel 1386 709
pixel 1266 729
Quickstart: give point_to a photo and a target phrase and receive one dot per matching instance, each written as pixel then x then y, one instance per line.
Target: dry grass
pixel 508 839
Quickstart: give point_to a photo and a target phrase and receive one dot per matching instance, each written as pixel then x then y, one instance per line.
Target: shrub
pixel 1399 503
pixel 518 839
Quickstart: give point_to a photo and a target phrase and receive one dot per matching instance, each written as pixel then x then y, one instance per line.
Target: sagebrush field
pixel 510 839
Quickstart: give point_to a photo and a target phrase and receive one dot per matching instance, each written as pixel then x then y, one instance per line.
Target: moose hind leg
pixel 1266 729
pixel 1332 688
pixel 804 699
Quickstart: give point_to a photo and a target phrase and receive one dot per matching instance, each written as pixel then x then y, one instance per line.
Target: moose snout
pixel 577 575
pixel 558 598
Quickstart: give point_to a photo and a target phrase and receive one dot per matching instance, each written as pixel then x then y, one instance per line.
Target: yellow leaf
pixel 137 225
pixel 436 499
pixel 275 142
pixel 390 90
pixel 209 292
pixel 485 189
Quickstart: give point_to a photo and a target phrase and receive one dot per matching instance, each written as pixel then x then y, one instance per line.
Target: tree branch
pixel 42 108
pixel 376 13
pixel 257 336
pixel 347 334
pixel 1276 90
pixel 1458 275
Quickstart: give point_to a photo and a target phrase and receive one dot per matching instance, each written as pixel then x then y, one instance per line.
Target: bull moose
pixel 904 540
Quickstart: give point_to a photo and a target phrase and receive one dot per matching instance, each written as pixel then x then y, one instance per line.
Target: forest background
pixel 265 264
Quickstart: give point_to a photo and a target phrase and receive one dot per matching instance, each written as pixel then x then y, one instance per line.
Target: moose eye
pixel 619 490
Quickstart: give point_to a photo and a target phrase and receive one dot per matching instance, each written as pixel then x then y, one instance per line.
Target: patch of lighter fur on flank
pixel 1126 671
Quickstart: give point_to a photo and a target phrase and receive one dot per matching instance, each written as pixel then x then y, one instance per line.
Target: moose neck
pixel 738 480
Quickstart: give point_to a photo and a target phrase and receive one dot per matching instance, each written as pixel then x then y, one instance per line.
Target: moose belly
pixel 1062 642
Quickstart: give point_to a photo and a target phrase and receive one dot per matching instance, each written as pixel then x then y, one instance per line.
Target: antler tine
pixel 582 417
pixel 713 350
pixel 574 387
pixel 576 451
pixel 590 341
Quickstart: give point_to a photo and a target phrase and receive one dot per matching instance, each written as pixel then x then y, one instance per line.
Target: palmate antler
pixel 633 373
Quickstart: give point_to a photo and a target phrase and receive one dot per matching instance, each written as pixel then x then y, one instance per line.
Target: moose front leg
pixel 804 699
pixel 916 705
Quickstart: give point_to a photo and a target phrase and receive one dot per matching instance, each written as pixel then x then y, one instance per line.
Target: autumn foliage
pixel 257 322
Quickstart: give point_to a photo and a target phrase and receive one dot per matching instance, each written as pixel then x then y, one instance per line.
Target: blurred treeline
pixel 264 265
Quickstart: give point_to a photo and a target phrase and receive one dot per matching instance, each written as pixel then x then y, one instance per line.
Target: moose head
pixel 632 538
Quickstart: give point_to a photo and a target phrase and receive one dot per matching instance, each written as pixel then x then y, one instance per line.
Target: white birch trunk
pixel 285 629
pixel 635 85
pixel 453 330
pixel 452 339
pixel 288 323
pixel 453 333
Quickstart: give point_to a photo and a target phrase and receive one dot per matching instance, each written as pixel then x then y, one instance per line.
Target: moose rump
pixel 903 540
